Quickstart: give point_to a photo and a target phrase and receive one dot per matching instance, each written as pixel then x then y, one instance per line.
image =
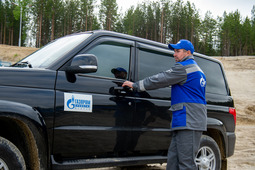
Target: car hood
pixel 27 77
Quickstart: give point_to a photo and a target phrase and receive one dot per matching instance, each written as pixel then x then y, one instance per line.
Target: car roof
pixel 142 40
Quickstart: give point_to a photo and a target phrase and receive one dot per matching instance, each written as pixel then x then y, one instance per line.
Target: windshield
pixel 45 56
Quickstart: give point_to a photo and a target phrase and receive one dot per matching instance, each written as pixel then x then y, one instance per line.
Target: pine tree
pixel 108 14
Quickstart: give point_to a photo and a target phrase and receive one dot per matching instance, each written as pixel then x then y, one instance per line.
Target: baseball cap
pixel 118 69
pixel 182 44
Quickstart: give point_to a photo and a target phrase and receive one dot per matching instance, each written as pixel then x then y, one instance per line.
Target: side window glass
pixel 214 76
pixel 113 60
pixel 151 63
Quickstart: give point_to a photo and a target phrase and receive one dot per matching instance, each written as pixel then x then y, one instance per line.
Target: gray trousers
pixel 183 148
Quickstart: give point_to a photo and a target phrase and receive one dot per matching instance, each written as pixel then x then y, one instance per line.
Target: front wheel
pixel 208 156
pixel 10 156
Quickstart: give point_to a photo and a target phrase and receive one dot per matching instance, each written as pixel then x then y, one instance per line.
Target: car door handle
pixel 121 90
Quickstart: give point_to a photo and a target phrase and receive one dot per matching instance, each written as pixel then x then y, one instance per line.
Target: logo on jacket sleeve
pixel 77 102
pixel 202 81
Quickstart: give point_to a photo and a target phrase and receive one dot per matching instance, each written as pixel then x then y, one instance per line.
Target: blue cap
pixel 182 44
pixel 118 69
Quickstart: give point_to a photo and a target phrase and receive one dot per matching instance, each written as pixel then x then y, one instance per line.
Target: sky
pixel 217 7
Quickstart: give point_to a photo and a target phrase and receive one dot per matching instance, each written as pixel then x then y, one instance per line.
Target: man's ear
pixel 189 52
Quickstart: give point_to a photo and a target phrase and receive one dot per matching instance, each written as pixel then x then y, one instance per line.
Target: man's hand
pixel 128 83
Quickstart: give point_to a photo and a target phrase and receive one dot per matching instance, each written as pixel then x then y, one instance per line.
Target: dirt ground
pixel 13 53
pixel 240 73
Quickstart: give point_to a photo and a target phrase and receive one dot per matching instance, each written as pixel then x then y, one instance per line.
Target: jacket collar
pixel 187 58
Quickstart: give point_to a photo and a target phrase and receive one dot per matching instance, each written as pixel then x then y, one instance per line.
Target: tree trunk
pixel 53 25
pixel 40 30
pixel 86 20
pixel 192 32
pixel 178 31
pixel 161 26
pixel 9 40
pixel 1 33
pixel 4 30
pixel 11 36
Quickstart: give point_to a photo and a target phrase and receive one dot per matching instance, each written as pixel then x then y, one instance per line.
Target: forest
pixel 165 21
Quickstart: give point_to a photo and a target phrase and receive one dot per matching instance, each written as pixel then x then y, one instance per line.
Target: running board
pixel 106 162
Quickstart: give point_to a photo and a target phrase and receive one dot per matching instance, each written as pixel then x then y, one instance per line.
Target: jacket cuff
pixel 135 86
pixel 139 86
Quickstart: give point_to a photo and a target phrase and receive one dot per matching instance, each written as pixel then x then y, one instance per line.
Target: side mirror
pixel 83 63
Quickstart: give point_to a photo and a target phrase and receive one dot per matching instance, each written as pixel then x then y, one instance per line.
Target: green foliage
pixel 108 14
pixel 208 32
pixel 162 20
pixel 16 12
pixel 235 35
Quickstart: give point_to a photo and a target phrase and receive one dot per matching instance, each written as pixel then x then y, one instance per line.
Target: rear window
pixel 214 76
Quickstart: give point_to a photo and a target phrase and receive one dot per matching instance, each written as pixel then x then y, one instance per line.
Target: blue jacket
pixel 188 103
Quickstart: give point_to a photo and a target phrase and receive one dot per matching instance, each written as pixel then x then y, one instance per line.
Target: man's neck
pixel 187 57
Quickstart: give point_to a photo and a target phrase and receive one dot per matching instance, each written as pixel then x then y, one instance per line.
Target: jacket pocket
pixel 179 115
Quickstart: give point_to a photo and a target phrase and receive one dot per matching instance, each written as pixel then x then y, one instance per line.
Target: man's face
pixel 179 54
pixel 120 75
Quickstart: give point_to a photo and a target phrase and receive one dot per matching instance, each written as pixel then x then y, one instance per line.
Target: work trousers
pixel 183 148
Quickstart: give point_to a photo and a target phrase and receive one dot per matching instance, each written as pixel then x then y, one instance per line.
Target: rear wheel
pixel 10 156
pixel 208 156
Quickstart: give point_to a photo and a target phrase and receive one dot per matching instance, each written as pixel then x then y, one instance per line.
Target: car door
pixel 153 105
pixel 101 124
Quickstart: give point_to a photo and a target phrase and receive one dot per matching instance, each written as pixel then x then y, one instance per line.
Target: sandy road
pixel 243 158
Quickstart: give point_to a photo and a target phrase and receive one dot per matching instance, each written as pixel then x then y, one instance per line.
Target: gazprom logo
pixel 202 81
pixel 78 102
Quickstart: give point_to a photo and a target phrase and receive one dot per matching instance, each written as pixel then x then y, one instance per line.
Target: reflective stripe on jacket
pixel 188 103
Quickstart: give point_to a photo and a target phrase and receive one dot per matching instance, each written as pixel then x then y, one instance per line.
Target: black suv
pixel 63 106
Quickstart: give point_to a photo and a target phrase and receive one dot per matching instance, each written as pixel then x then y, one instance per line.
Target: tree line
pixel 163 21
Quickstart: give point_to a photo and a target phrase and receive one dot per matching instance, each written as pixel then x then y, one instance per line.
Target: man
pixel 119 72
pixel 188 104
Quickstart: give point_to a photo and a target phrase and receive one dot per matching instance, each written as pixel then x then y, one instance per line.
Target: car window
pixel 152 62
pixel 214 76
pixel 113 60
pixel 53 51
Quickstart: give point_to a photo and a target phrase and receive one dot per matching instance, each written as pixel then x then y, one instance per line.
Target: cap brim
pixel 114 70
pixel 173 46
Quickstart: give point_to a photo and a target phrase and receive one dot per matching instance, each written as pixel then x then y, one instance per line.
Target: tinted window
pixel 110 56
pixel 151 63
pixel 214 76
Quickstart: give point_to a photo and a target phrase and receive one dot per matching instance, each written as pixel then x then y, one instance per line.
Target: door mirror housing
pixel 83 63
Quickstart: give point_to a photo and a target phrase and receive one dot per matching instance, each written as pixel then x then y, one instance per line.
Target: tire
pixel 10 156
pixel 208 155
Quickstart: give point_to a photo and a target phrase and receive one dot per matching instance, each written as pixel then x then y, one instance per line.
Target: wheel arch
pixel 216 130
pixel 25 128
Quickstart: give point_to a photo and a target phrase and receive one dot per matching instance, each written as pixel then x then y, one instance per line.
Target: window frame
pixel 222 74
pixel 161 94
pixel 153 49
pixel 118 42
